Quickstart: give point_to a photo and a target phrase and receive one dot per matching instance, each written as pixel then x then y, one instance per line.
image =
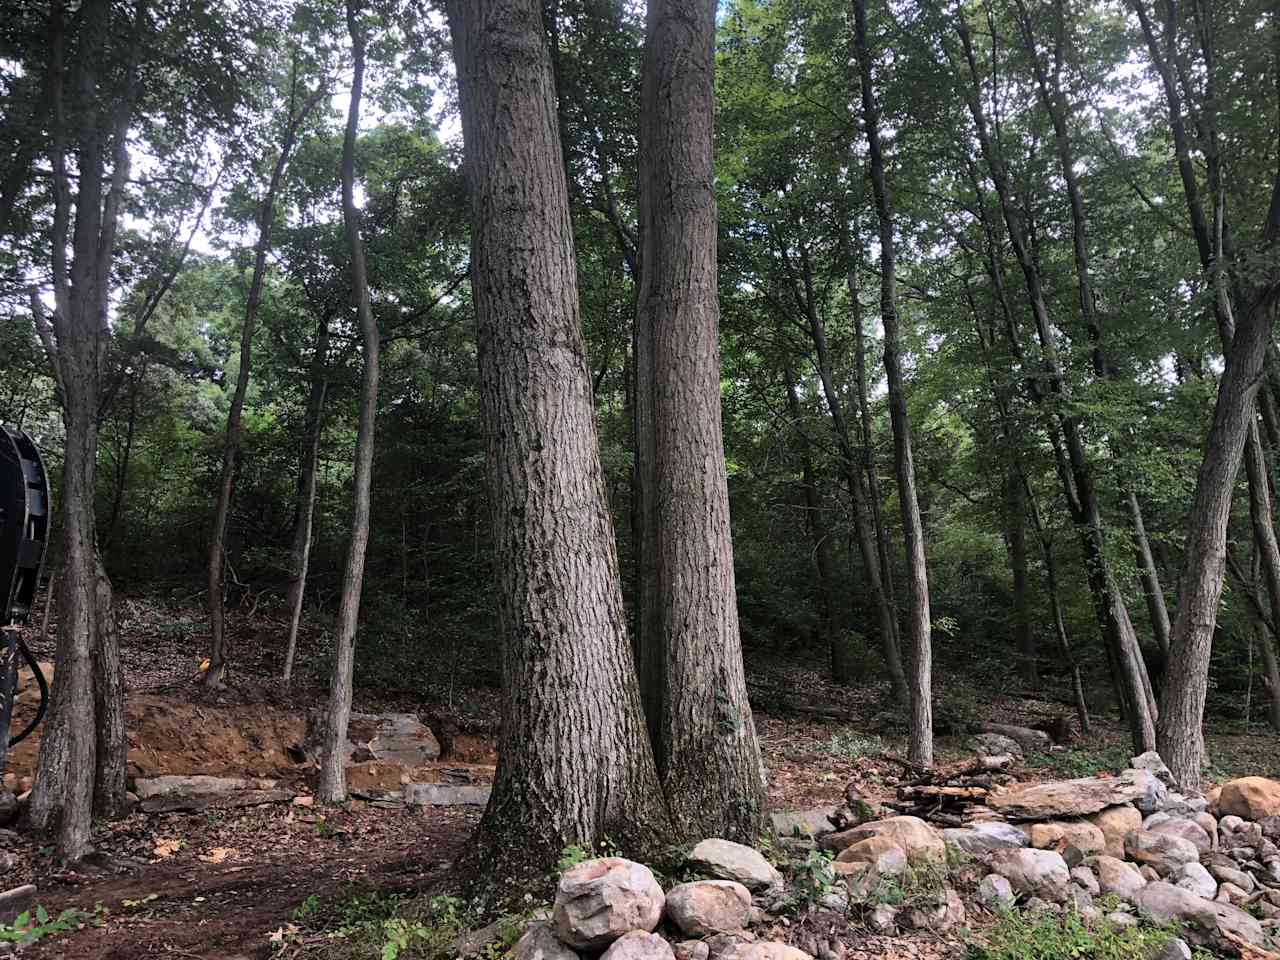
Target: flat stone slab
pixel 395 738
pixel 193 803
pixel 446 794
pixel 146 788
pixel 1072 798
pixel 803 823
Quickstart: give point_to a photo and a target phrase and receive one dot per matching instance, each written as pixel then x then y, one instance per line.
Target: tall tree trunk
pixel 919 630
pixel 574 763
pixel 1180 732
pixel 874 497
pixel 874 560
pixel 842 667
pixel 217 671
pixel 707 756
pixel 1074 466
pixel 1148 574
pixel 331 786
pixel 305 510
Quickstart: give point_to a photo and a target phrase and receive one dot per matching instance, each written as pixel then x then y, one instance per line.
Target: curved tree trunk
pixel 574 762
pixel 217 671
pixel 331 786
pixel 305 510
pixel 708 756
pixel 874 497
pixel 919 629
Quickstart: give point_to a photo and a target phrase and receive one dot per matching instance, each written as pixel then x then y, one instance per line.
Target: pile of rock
pixel 1165 856
pixel 615 905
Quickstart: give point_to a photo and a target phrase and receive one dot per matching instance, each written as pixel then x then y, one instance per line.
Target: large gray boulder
pixel 1160 851
pixel 707 907
pixel 1207 921
pixel 1030 740
pixel 885 856
pixel 1151 762
pixel 1033 873
pixel 1116 877
pixel 1187 830
pixel 1194 877
pixel 982 839
pixel 597 901
pixel 995 745
pixel 726 860
pixel 1075 798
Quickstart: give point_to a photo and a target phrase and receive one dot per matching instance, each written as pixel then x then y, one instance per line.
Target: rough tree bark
pixel 1180 733
pixel 919 628
pixel 574 762
pixel 331 785
pixel 304 515
pixel 217 671
pixel 707 753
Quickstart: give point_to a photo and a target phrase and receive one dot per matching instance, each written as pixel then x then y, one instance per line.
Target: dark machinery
pixel 24 533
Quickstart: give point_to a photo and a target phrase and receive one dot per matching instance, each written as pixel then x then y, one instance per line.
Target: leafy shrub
pixel 1043 936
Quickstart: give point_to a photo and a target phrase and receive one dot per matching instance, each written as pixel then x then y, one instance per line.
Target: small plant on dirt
pixel 1020 936
pixel 30 927
pixel 811 879
pixel 307 908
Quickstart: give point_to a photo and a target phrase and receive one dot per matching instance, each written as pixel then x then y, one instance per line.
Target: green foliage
pixel 1018 935
pixel 1083 762
pixel 811 879
pixel 571 856
pixel 850 745
pixel 30 927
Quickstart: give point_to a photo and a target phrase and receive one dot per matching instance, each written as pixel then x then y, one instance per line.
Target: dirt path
pixel 187 906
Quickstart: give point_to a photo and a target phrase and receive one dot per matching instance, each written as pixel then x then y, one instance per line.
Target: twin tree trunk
pixel 331 786
pixel 217 671
pixel 706 749
pixel 919 630
pixel 80 770
pixel 574 763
